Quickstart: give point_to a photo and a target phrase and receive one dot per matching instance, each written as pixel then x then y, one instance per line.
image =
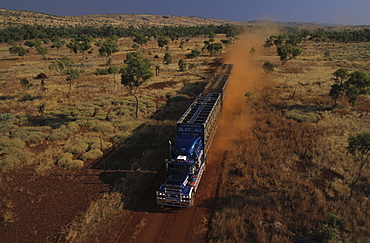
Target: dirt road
pixel 150 222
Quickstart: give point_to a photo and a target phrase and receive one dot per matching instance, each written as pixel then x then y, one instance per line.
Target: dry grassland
pixel 74 130
pixel 288 181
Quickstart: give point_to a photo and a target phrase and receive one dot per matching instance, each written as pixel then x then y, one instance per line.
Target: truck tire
pixel 192 200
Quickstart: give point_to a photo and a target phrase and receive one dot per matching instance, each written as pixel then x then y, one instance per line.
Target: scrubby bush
pixel 103 145
pixel 92 154
pixel 16 142
pixel 88 122
pixel 12 152
pixel 78 148
pixel 5 122
pixel 57 135
pixel 302 116
pixel 8 161
pixel 104 128
pixel 35 137
pixel 63 159
pixel 100 114
pixel 102 102
pixel 66 160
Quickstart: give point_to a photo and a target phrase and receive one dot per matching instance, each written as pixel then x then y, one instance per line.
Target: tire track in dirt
pixel 153 223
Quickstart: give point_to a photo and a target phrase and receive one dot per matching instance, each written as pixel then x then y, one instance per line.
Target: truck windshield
pixel 182 168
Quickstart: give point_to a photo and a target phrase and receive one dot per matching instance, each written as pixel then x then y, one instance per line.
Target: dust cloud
pixel 247 75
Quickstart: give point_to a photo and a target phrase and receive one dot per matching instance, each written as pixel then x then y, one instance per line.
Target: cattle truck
pixel 195 131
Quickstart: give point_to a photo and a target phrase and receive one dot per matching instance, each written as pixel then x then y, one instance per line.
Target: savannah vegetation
pixel 299 174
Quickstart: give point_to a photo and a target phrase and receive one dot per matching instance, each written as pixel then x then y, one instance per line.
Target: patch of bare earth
pixel 38 207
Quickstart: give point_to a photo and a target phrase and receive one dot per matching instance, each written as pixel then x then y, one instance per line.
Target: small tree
pixel 141 39
pixel 358 83
pixel 72 74
pixel 18 50
pixel 194 53
pixel 58 43
pixel 214 48
pixel 268 67
pixel 42 51
pixel 182 64
pixel 252 51
pixel 135 73
pixel 288 52
pixel 167 58
pixel 25 83
pixel 107 48
pixel 162 42
pixel 157 69
pixel 359 146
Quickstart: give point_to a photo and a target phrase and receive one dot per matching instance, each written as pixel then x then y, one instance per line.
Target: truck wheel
pixel 192 200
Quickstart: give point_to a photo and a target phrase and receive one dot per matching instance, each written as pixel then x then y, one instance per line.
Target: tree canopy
pixel 136 72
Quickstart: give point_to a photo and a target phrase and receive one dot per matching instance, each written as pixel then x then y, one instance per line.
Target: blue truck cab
pixel 185 167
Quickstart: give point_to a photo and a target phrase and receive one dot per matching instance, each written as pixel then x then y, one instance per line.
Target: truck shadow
pixel 134 167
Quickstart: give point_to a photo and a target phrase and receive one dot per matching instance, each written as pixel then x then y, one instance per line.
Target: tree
pixel 214 48
pixel 358 83
pixel 268 67
pixel 194 53
pixel 42 51
pixel 252 51
pixel 167 58
pixel 140 39
pixel 72 74
pixel 80 44
pixel 351 85
pixel 162 41
pixel 61 65
pixel 135 73
pixel 25 83
pixel 107 48
pixel 18 50
pixel 157 69
pixel 359 146
pixel 288 52
pixel 226 42
pixel 58 43
pixel 64 67
pixel 182 64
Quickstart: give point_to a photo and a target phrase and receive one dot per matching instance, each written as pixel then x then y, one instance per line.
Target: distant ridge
pixel 17 17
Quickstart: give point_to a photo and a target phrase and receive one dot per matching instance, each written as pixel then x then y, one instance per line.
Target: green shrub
pixel 104 128
pixel 65 160
pixel 100 114
pixel 57 135
pixel 5 126
pixel 16 142
pixel 124 110
pixel 34 137
pixel 13 153
pixel 8 161
pixel 78 148
pixel 302 116
pixel 92 154
pixel 73 127
pixel 103 146
pixel 88 122
pixel 102 102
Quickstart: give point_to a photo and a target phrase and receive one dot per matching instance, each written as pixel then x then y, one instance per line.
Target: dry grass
pixel 283 178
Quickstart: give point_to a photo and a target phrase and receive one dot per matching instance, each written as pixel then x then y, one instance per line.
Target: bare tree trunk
pixel 357 179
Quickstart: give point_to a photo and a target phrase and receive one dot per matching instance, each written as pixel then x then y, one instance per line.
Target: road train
pixel 195 131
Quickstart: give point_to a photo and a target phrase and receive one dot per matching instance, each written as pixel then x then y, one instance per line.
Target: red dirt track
pixel 150 222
